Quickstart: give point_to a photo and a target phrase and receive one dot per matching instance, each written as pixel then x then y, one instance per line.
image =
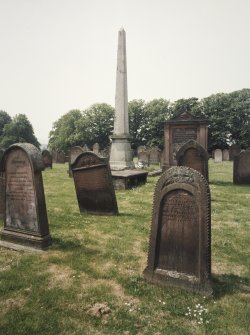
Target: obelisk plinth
pixel 121 154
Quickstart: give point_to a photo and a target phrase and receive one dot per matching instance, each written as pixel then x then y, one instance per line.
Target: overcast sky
pixel 58 55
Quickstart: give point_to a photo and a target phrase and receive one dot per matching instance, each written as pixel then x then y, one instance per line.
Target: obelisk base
pixel 121 154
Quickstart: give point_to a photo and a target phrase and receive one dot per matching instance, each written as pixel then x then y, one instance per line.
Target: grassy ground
pixel 100 259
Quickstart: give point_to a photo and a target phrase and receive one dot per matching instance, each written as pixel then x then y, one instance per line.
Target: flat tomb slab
pixel 126 179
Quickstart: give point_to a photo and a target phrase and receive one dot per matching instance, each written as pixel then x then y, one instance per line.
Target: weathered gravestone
pixel 25 220
pixel 96 148
pixel 225 155
pixel 193 155
pixel 2 187
pixel 234 150
pixel 241 168
pixel 143 158
pixel 93 184
pixel 73 153
pixel 179 130
pixel 47 159
pixel 154 155
pixel 180 240
pixel 217 156
pixel 58 157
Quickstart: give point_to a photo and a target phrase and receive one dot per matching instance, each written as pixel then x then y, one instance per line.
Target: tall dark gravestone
pixel 93 184
pixel 234 150
pixel 179 130
pixel 193 155
pixel 47 159
pixel 2 187
pixel 241 168
pixel 180 239
pixel 25 219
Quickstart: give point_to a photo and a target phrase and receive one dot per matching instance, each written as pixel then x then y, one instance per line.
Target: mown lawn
pixel 100 259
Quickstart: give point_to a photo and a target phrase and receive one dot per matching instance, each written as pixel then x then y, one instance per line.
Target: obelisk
pixel 121 154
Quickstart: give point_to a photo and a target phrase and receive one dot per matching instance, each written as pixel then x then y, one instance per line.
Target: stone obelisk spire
pixel 121 154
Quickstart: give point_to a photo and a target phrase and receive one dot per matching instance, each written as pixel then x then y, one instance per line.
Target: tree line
pixel 228 115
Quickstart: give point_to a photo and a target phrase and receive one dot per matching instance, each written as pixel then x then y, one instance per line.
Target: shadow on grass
pixel 229 284
pixel 71 245
pixel 221 183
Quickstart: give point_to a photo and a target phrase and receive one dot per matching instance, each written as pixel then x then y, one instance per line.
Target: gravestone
pixel 47 159
pixel 143 158
pixel 74 152
pixel 2 187
pixel 193 155
pixel 225 155
pixel 58 157
pixel 180 239
pixel 93 184
pixel 154 155
pixel 234 150
pixel 25 219
pixel 141 148
pixel 96 148
pixel 217 155
pixel 179 130
pixel 241 168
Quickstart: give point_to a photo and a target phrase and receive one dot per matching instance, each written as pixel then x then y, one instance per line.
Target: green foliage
pixel 96 125
pixel 63 135
pixel 136 110
pixel 4 120
pixel 183 105
pixel 18 130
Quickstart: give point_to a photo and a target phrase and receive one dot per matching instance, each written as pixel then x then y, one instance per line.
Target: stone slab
pixel 126 179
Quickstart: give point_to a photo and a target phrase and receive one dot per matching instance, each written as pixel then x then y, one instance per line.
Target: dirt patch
pixel 11 303
pixel 60 276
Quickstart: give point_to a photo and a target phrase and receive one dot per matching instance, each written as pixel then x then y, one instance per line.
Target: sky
pixel 59 55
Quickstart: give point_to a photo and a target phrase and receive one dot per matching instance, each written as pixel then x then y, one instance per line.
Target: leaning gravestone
pixel 241 168
pixel 73 153
pixel 180 239
pixel 2 187
pixel 234 150
pixel 217 156
pixel 25 220
pixel 225 155
pixel 47 159
pixel 193 155
pixel 93 184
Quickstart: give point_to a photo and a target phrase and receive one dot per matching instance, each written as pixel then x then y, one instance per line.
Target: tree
pixel 63 134
pixel 4 120
pixel 155 113
pixel 96 125
pixel 183 105
pixel 18 130
pixel 136 122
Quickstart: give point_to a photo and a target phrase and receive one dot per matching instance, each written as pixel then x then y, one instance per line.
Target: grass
pixel 100 259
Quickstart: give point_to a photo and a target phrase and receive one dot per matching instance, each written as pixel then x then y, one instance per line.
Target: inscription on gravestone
pixel 93 184
pixel 180 239
pixel 25 209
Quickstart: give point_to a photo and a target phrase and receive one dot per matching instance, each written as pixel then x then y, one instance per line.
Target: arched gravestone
pixel 94 185
pixel 73 153
pixel 47 159
pixel 180 239
pixel 217 156
pixel 241 168
pixel 234 150
pixel 154 155
pixel 96 148
pixel 2 187
pixel 225 155
pixel 25 209
pixel 193 155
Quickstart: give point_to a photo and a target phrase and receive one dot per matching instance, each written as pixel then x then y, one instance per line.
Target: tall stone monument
pixel 121 153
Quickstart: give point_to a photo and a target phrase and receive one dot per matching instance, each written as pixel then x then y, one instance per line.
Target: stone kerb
pixel 180 239
pixel 193 155
pixel 241 168
pixel 25 219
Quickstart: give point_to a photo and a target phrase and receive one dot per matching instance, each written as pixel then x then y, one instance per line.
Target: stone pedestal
pixel 121 153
